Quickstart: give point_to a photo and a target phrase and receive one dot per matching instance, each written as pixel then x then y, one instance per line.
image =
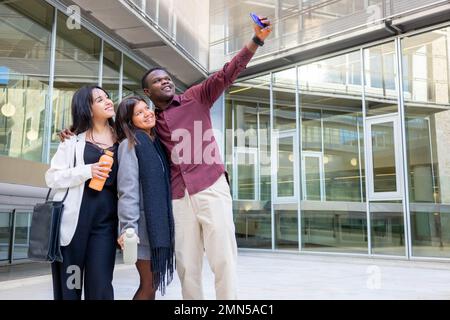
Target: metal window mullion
pixel 404 154
pixel 366 153
pixel 12 236
pixel 299 158
pixel 321 165
pixel 157 12
pixel 359 160
pixel 100 66
pixel 49 103
pixel 233 152
pixel 272 169
pixel 258 147
pixel 121 77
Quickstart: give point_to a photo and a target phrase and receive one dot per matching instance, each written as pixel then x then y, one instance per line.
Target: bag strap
pixel 67 192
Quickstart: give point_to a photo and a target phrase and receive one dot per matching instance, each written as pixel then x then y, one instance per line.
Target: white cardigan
pixel 63 175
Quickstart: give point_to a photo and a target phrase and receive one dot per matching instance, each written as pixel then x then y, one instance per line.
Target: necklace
pixel 99 144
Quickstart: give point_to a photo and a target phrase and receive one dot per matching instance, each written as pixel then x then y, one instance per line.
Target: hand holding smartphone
pixel 256 20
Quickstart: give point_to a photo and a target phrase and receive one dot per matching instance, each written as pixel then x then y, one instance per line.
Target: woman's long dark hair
pixel 124 120
pixel 82 109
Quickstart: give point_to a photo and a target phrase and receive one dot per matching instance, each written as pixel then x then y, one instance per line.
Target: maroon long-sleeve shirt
pixel 185 129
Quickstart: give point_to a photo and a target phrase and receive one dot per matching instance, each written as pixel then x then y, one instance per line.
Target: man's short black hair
pixel 144 78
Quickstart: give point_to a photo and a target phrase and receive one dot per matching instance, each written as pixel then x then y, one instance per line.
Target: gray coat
pixel 130 205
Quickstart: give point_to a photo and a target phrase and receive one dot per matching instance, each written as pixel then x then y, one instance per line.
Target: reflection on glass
pixel 4 235
pixel 383 153
pixel 76 65
pixel 22 235
pixel 332 155
pixel 24 77
pixel 426 79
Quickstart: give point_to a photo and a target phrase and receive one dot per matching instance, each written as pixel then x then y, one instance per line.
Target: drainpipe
pixel 391 28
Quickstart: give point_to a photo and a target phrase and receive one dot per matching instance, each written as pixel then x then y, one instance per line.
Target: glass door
pixel 384 157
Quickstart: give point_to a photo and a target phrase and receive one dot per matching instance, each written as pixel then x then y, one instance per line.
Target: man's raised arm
pixel 209 90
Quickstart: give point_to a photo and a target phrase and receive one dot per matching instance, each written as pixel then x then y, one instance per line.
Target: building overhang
pixel 135 33
pixel 350 39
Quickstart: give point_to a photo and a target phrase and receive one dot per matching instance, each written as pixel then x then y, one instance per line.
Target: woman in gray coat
pixel 143 184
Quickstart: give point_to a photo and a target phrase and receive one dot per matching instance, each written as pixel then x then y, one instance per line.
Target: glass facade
pixel 320 152
pixel 80 58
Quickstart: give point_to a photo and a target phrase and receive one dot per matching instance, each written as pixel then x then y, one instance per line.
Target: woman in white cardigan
pixel 89 221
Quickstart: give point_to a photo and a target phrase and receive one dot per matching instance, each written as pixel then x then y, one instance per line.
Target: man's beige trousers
pixel 204 223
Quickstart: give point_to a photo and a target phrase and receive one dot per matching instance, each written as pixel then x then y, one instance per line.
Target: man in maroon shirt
pixel 202 204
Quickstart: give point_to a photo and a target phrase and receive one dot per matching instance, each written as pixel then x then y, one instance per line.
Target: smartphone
pixel 257 21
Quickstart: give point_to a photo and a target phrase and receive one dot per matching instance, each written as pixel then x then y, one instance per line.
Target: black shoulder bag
pixel 44 231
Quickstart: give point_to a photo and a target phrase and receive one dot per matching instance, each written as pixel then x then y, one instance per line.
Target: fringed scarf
pixel 154 176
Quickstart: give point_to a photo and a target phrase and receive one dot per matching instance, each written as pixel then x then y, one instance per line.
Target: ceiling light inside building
pixel 8 110
pixel 32 135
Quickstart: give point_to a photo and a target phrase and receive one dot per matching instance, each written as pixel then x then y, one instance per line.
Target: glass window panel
pixel 343 146
pixel 388 232
pixel 381 79
pixel 76 64
pixel 5 235
pixel 333 208
pixel 286 229
pixel 246 175
pixel 313 178
pixel 264 152
pixel 383 153
pixel 22 235
pixel 285 170
pixel 25 32
pixel 284 83
pixel 426 78
pixel 247 111
pixel 132 75
pixel 111 71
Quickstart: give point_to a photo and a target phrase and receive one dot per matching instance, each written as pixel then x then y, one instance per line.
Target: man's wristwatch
pixel 258 41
